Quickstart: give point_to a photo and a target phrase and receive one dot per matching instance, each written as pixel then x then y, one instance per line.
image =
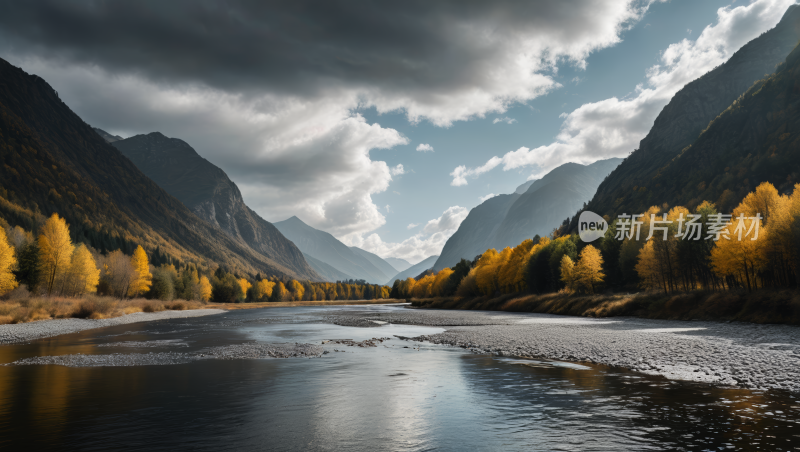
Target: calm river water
pixel 390 397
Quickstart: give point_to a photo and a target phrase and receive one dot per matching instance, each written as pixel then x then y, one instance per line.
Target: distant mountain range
pixel 339 259
pixel 640 181
pixel 397 263
pixel 414 270
pixel 211 195
pixel 55 163
pixel 536 207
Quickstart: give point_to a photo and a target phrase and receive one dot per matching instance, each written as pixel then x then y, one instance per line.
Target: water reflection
pixel 385 398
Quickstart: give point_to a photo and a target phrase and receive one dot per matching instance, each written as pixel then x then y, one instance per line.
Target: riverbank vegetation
pixel 763 306
pixel 47 275
pixel 562 274
pixel 28 309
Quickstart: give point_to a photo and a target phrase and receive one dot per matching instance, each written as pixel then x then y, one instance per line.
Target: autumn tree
pixel 142 278
pixel 741 259
pixel 440 283
pixel 280 293
pixel 589 271
pixel 118 273
pixel 7 263
pixel 245 285
pixel 83 272
pixel 297 290
pixel 262 290
pixel 55 251
pixel 205 289
pixel 567 272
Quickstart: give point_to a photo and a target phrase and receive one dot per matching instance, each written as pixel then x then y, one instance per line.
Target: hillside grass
pixel 763 306
pixel 88 307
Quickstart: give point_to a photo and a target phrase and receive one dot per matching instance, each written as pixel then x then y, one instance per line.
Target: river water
pixel 398 396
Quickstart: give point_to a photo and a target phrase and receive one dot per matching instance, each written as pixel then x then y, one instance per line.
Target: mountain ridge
pixel 53 162
pixel 326 248
pixel 689 112
pixel 508 219
pixel 211 195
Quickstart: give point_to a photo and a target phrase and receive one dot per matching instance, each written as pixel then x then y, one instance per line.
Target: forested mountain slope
pixel 755 140
pixel 326 248
pixel 211 195
pixel 52 161
pixel 630 188
pixel 507 220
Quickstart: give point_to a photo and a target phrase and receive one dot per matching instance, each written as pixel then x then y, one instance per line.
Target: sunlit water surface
pixel 424 397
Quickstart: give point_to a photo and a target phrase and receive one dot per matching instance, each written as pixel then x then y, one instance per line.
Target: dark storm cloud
pixel 297 46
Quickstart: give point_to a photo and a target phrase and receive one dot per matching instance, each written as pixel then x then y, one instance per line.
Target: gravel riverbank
pixel 23 332
pixel 729 354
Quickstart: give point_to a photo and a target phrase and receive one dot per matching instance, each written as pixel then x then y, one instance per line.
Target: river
pixel 400 395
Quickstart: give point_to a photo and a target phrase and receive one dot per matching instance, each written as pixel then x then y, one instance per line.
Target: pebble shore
pixel 24 332
pixel 727 354
pixel 237 351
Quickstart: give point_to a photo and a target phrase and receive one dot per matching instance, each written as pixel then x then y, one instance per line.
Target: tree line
pixel 563 262
pixel 51 264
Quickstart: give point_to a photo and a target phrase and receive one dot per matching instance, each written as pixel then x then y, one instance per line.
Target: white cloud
pixel 484 198
pixel 412 225
pixel 460 173
pixel 613 127
pixel 505 119
pixel 428 242
pixel 388 208
pixel 398 170
pixel 295 147
pixel 424 147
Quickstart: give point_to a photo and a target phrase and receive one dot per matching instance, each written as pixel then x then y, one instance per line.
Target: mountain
pixel 630 188
pixel 386 268
pixel 536 207
pixel 53 162
pixel 208 192
pixel 327 272
pixel 414 270
pixel 756 139
pixel 398 264
pixel 107 136
pixel 326 248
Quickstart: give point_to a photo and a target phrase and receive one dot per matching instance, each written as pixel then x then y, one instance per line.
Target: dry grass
pixel 29 309
pixel 764 306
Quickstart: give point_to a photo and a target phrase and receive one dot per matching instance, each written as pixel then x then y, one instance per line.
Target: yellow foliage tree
pixel 297 290
pixel 567 268
pixel 511 279
pixel 205 289
pixel 650 269
pixel 7 263
pixel 589 271
pixel 422 289
pixel 440 283
pixel 142 278
pixel 55 251
pixel 83 272
pixel 487 270
pixel 743 258
pixel 245 285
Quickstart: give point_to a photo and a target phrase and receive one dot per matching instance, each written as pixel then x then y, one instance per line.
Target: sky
pixel 381 123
